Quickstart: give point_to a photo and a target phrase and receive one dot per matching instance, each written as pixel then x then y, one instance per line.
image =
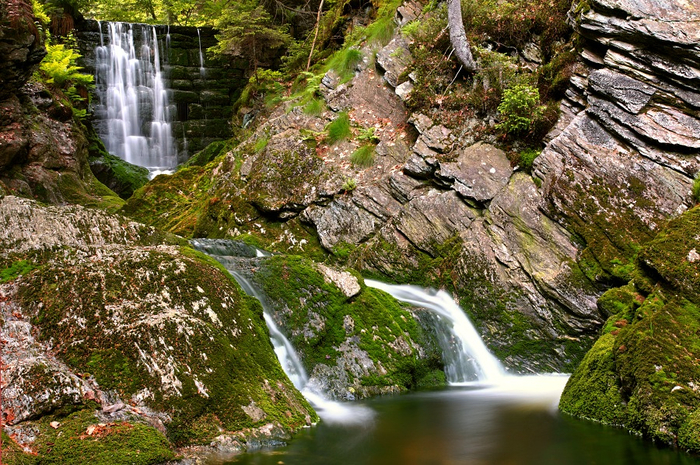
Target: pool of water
pixel 513 424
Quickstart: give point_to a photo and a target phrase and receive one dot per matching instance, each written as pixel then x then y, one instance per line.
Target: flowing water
pixel 486 417
pixel 132 114
pixel 229 254
pixel 202 70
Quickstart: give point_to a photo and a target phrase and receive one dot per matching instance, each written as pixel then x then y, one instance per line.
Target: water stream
pixel 486 417
pixel 202 70
pixel 229 254
pixel 133 113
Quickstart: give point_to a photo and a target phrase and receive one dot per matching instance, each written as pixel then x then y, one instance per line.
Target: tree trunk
pixel 313 44
pixel 458 37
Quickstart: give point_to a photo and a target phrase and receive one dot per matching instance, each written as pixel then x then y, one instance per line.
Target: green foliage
pixel 261 143
pixel 363 156
pixel 265 86
pixel 247 31
pixel 519 108
pixel 59 67
pixel 349 185
pixel 15 270
pixel 696 189
pixel 367 135
pixel 59 70
pixel 339 128
pixel 344 62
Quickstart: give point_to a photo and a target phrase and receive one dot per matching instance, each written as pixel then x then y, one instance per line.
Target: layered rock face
pixel 615 176
pixel 626 163
pixel 106 316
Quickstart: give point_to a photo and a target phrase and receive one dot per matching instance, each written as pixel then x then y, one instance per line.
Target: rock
pixel 341 221
pixel 479 172
pixel 409 11
pixel 345 281
pixel 394 59
pixel 182 323
pixel 632 95
pixel 432 218
pixel 376 339
pixel 21 51
pixel 404 90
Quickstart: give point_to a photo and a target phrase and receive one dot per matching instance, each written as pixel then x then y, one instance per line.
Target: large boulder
pixel 103 313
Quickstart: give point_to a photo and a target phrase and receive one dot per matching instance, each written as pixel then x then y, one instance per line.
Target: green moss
pixel 650 346
pixel 317 314
pixel 12 454
pixel 208 154
pixel 593 391
pixel 111 444
pixel 16 269
pixel 130 290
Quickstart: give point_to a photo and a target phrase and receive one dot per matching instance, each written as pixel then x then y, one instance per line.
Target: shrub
pixel 339 128
pixel 526 158
pixel 696 189
pixel 519 108
pixel 349 185
pixel 363 156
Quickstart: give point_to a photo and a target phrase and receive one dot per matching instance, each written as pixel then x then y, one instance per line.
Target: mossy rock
pixel 83 438
pixel 643 372
pixel 675 254
pixel 168 325
pixel 325 326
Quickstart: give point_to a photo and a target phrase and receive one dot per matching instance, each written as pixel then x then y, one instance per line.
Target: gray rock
pixel 432 218
pixel 479 172
pixel 394 59
pixel 404 90
pixel 345 281
pixel 341 221
pixel 631 94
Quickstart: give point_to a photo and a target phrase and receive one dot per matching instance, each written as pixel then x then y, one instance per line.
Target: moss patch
pixel 82 438
pixel 644 372
pixel 320 319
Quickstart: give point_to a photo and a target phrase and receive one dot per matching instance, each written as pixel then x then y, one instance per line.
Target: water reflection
pixel 468 426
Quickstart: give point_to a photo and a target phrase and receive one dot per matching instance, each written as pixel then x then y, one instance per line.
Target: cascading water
pixel 133 114
pixel 202 70
pixel 466 357
pixel 229 254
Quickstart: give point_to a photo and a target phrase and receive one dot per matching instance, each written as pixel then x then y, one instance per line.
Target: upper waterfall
pixel 133 109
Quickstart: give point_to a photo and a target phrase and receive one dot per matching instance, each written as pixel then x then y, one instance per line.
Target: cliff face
pixel 615 176
pixel 43 150
pixel 626 162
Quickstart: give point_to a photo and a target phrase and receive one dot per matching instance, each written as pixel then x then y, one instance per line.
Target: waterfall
pixel 466 357
pixel 230 254
pixel 202 70
pixel 133 110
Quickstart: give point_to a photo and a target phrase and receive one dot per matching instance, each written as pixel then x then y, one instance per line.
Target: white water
pixel 467 359
pixel 133 114
pixel 329 411
pixel 202 70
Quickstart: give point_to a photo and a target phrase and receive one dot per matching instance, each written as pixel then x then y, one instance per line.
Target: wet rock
pixel 341 221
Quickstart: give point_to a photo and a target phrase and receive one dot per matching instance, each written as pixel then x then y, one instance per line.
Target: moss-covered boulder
pixel 111 318
pixel 643 373
pixel 354 341
pixel 119 175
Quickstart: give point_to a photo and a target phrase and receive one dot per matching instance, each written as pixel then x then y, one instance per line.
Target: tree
pixel 458 36
pixel 247 31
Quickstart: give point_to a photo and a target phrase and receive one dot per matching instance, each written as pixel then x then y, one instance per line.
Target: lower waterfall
pixel 226 253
